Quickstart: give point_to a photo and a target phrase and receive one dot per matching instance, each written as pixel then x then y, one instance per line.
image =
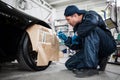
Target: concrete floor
pixel 56 71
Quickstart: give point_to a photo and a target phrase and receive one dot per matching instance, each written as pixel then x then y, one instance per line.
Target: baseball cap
pixel 72 9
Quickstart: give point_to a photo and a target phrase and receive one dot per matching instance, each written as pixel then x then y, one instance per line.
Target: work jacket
pixel 92 21
pixel 83 29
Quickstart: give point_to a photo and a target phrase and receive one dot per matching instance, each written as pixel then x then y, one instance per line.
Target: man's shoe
pixel 86 73
pixel 75 71
pixel 103 64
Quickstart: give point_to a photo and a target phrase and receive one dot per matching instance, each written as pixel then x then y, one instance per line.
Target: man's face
pixel 74 19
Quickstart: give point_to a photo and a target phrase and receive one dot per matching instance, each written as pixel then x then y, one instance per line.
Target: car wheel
pixel 27 57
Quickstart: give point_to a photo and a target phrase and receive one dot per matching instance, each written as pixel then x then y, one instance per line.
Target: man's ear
pixel 75 15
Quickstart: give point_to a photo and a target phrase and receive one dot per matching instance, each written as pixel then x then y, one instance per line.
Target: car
pixel 19 34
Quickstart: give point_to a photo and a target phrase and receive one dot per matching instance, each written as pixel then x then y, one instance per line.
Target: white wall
pixel 87 5
pixel 11 2
pixel 58 13
pixel 118 4
pixel 33 9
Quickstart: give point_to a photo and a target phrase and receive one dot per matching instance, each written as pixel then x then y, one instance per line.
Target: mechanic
pixel 92 41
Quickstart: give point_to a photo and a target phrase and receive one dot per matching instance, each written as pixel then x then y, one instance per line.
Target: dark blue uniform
pixel 92 39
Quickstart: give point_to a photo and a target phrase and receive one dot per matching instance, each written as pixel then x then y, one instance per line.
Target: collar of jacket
pixel 77 25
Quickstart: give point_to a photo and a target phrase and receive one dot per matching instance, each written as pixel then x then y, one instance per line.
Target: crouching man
pixel 92 41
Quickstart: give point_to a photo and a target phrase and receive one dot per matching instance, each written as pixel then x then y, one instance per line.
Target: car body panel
pixel 13 24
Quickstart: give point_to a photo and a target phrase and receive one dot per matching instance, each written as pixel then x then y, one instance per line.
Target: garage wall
pixel 11 2
pixel 118 13
pixel 87 5
pixel 49 16
pixel 33 9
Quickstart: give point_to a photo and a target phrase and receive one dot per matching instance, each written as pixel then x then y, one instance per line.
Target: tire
pixel 27 57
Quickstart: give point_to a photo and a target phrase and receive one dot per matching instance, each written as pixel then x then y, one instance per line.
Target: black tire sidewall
pixel 25 49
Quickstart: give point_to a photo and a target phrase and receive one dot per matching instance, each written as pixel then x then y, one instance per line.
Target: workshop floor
pixel 56 71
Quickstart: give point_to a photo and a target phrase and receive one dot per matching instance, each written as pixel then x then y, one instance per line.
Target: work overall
pixel 87 55
pixel 92 40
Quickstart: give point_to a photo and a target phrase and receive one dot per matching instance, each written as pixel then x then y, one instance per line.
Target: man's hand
pixel 62 36
pixel 74 40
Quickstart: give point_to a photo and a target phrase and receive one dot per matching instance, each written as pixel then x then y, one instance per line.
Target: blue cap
pixel 72 9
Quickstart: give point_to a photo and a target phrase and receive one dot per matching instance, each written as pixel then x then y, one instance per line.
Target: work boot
pixel 103 63
pixel 75 70
pixel 85 73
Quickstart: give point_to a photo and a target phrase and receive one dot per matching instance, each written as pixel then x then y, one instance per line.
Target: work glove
pixel 75 40
pixel 62 36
